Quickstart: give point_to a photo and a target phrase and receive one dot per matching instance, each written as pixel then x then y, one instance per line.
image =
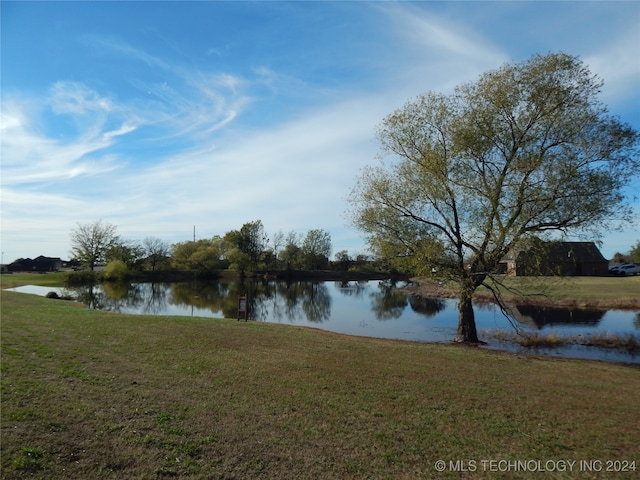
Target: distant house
pixel 556 258
pixel 38 264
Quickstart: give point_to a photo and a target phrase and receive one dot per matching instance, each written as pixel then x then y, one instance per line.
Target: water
pixel 370 309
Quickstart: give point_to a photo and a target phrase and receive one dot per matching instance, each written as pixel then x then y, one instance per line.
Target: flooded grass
pixel 92 394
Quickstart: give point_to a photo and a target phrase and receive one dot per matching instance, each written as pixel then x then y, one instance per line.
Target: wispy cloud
pixel 76 99
pixel 618 63
pixel 123 130
pixel 203 104
pixel 438 52
pixel 29 155
pixel 122 48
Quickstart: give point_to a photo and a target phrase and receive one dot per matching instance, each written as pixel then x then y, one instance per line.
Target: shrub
pixel 116 270
pixel 83 277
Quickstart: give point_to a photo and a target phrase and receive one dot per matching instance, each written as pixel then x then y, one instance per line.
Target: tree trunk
pixel 467 332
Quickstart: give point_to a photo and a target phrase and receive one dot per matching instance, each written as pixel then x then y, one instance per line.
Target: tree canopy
pixel 90 242
pixel 527 150
pixel 316 249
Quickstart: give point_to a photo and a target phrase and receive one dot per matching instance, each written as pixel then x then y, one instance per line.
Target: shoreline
pixel 430 289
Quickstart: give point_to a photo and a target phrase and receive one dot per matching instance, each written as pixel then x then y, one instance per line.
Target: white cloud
pixel 77 99
pixel 618 64
pixel 114 44
pixel 231 82
pixel 123 130
pixel 439 52
pixel 29 156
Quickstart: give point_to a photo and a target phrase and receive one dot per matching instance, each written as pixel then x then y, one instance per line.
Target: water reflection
pixel 541 317
pixel 429 307
pixel 313 302
pixel 267 300
pixel 288 300
pixel 388 303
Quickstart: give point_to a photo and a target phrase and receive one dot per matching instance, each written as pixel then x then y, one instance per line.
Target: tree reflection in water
pixel 388 303
pixel 297 301
pixel 267 300
pixel 121 296
pixel 429 307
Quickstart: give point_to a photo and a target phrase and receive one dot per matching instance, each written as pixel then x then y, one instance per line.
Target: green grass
pixel 91 394
pixel 12 280
pixel 581 287
pixel 604 292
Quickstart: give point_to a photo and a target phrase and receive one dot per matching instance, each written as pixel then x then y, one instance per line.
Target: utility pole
pixel 194 233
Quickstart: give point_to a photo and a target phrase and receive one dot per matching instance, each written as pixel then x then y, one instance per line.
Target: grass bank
pixel 571 292
pixel 12 280
pixel 92 394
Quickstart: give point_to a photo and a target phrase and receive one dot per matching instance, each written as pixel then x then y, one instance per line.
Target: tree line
pixel 246 249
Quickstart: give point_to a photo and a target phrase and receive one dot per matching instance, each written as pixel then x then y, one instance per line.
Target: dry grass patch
pixel 89 394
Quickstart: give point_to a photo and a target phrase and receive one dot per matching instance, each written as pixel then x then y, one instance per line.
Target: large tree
pixel 316 248
pixel 291 254
pixel 157 251
pixel 91 241
pixel 526 151
pixel 247 245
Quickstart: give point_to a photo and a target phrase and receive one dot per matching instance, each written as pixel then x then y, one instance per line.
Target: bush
pixel 116 270
pixel 84 277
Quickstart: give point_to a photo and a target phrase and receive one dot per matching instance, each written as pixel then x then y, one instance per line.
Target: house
pixel 556 258
pixel 38 264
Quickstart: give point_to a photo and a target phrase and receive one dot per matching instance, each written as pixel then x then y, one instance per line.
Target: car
pixel 625 269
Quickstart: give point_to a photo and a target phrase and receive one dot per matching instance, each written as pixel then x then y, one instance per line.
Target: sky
pixel 162 117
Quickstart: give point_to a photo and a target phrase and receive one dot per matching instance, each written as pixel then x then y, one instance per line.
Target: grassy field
pixel 12 280
pixel 608 292
pixel 579 292
pixel 91 394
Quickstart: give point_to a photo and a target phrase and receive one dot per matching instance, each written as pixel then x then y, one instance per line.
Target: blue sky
pixel 158 116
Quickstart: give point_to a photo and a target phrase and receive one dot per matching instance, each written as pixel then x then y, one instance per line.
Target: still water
pixel 371 309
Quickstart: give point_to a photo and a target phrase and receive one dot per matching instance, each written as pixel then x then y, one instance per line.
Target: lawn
pixel 92 394
pixel 11 280
pixel 582 291
pixel 571 292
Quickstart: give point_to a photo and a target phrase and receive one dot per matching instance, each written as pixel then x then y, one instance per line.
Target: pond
pixel 370 308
